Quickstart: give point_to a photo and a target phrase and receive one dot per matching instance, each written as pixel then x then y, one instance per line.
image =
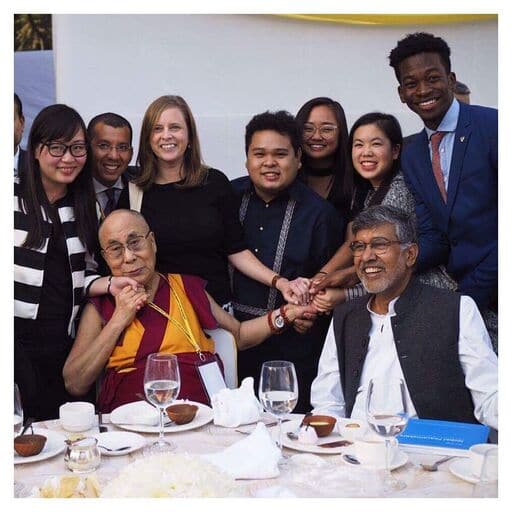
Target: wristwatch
pixel 276 324
pixel 279 321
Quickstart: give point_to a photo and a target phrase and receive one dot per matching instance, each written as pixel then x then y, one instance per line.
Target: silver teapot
pixel 82 455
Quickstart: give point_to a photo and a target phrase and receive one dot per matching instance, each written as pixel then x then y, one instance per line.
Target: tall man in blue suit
pixel 451 167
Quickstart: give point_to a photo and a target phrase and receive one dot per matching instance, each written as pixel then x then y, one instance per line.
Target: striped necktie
pixel 435 141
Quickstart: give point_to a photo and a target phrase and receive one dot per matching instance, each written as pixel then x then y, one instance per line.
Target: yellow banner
pixel 394 19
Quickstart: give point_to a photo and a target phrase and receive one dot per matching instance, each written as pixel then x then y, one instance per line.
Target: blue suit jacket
pixel 463 233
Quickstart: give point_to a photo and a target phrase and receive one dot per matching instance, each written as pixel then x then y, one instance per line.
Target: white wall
pixel 34 83
pixel 229 67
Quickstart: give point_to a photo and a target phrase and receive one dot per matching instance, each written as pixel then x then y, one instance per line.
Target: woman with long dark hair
pixel 324 151
pixel 55 227
pixel 375 143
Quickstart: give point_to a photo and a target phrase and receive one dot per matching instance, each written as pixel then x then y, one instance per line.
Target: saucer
pixel 115 440
pixel 461 468
pixel 398 461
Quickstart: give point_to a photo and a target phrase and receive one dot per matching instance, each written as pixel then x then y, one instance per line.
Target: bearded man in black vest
pixel 434 339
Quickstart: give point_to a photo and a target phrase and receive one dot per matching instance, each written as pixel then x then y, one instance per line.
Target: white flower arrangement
pixel 170 475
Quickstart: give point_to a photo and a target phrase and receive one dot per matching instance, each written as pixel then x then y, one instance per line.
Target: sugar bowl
pixel 82 455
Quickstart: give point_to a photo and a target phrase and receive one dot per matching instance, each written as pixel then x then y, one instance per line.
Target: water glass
pixel 487 485
pixel 387 416
pixel 278 390
pixel 161 386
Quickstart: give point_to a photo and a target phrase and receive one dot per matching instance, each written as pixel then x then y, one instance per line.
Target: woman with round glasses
pixel 55 227
pixel 324 159
pixel 191 207
pixel 375 142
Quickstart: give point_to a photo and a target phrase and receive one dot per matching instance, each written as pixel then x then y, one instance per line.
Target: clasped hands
pixel 130 297
pixel 323 291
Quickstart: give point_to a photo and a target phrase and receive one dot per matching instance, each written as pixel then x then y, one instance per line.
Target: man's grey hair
pixel 405 225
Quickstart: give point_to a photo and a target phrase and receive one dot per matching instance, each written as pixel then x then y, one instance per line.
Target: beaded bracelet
pixel 274 280
pixel 109 283
pixel 287 321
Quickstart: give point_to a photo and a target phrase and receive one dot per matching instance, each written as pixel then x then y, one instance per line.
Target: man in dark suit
pixel 451 167
pixel 110 136
pixel 19 124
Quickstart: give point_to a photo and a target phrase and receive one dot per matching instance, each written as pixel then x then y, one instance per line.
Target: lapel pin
pixel 462 138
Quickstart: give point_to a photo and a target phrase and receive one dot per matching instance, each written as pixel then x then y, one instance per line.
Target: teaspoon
pixel 114 449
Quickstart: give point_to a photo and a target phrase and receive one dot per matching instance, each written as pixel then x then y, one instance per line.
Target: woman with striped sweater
pixel 55 228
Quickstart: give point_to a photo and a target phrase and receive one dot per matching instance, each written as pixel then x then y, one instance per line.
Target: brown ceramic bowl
pixel 323 425
pixel 28 445
pixel 182 413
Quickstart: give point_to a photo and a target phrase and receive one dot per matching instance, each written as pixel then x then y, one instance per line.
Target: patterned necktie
pixel 435 141
pixel 111 201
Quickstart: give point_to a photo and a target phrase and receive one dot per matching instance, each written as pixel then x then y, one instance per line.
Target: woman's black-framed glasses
pixel 57 149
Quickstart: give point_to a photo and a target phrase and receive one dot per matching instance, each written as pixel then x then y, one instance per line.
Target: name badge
pixel 211 377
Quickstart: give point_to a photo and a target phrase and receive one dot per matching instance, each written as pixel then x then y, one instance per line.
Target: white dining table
pixel 305 475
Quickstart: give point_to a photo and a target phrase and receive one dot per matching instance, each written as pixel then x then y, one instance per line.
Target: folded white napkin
pixel 255 456
pixel 235 407
pixel 136 413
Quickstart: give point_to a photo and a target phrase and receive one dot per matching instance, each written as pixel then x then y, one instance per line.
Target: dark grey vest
pixel 426 333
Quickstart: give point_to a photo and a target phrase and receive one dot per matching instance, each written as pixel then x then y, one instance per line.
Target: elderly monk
pixel 166 313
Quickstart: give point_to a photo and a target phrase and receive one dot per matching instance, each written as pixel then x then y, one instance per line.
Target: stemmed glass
pixel 278 390
pixel 387 415
pixel 487 485
pixel 161 385
pixel 18 411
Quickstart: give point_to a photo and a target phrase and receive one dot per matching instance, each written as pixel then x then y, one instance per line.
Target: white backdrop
pixel 229 67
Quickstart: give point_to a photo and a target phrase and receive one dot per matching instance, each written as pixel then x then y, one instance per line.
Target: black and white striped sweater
pixel 29 263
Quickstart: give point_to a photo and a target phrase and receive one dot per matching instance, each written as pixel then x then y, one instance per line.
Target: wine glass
pixel 387 415
pixel 18 410
pixel 278 390
pixel 161 386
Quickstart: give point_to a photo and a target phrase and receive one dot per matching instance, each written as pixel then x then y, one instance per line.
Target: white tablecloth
pixel 301 478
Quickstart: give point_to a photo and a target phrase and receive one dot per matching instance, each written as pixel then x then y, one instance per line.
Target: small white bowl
pixel 76 416
pixel 352 429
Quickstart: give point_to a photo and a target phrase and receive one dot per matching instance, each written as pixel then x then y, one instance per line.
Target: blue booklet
pixel 445 434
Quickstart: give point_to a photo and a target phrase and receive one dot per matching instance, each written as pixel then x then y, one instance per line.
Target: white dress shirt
pixel 477 358
pixel 16 160
pixel 101 194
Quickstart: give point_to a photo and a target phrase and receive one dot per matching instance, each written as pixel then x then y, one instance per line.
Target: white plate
pixel 118 440
pixel 204 415
pixel 462 469
pixel 398 461
pixel 293 426
pixel 55 444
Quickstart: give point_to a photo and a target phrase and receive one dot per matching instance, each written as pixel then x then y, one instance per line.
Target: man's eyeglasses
pixel 106 147
pixel 135 244
pixel 378 245
pixel 326 130
pixel 57 149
